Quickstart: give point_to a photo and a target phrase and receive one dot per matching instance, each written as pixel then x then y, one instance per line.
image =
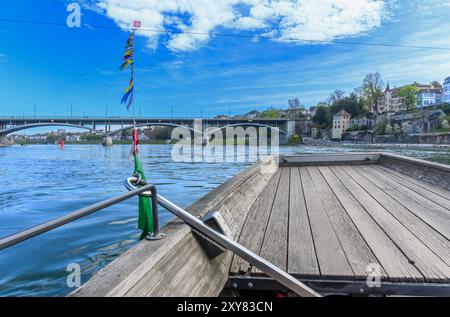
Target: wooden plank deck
pixel 332 222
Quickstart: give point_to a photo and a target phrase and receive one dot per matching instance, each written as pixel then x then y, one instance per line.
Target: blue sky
pixel 54 66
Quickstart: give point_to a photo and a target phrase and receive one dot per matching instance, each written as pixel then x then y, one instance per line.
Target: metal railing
pixel 56 223
pixel 138 187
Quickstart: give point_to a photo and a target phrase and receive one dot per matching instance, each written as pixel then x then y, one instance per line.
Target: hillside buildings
pixel 427 95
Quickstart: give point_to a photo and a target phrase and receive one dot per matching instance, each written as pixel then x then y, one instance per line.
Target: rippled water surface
pixel 39 183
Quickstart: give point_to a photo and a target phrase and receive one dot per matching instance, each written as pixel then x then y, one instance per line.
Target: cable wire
pixel 248 36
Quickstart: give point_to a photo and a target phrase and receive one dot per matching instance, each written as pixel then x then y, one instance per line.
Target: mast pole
pixel 132 76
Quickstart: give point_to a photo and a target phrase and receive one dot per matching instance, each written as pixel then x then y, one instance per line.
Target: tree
pixel 322 116
pixel 409 96
pixel 336 96
pixel 294 103
pixel 52 138
pixel 380 127
pixel 126 133
pixel 388 129
pixel 271 114
pixel 349 104
pixel 445 124
pixel 372 88
pixel 88 137
pixel 405 127
pixel 436 84
pixel 446 108
pixel 397 129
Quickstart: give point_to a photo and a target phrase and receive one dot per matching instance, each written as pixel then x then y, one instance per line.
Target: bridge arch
pixel 7 131
pixel 155 124
pixel 256 125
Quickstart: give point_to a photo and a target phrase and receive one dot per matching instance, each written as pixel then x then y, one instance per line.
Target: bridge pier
pixel 5 141
pixel 290 132
pixel 107 141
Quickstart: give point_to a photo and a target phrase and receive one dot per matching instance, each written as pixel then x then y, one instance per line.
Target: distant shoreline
pixel 336 144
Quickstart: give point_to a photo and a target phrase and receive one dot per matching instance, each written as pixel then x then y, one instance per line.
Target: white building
pixel 446 90
pixel 429 96
pixel 73 138
pixel 341 122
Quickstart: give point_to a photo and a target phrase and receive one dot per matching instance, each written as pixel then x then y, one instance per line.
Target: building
pixel 363 123
pixel 427 95
pixel 390 101
pixel 446 90
pixel 73 138
pixel 341 122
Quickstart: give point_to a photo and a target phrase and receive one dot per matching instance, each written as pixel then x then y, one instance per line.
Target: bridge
pixel 109 126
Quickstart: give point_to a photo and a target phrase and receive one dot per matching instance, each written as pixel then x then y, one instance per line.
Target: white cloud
pixel 298 20
pixel 2 58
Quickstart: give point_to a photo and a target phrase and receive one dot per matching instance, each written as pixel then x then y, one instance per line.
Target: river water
pixel 39 183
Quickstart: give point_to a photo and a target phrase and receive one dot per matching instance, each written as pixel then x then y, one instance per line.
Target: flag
pixel 129 94
pixel 128 61
pixel 126 64
pixel 145 222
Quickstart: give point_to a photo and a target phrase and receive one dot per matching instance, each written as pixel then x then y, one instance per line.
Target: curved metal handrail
pixel 58 222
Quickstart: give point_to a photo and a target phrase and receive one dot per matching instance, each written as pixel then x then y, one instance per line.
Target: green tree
pixel 322 116
pixel 271 114
pixel 52 138
pixel 409 96
pixel 349 104
pixel 446 108
pixel 380 127
pixel 388 129
pixel 405 127
pixel 91 138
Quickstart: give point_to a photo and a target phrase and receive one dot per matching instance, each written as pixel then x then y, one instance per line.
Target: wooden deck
pixel 332 222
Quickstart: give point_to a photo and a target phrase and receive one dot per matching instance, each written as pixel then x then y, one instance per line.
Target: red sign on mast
pixel 137 24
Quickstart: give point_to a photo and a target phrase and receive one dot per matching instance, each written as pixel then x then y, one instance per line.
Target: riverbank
pixel 438 138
